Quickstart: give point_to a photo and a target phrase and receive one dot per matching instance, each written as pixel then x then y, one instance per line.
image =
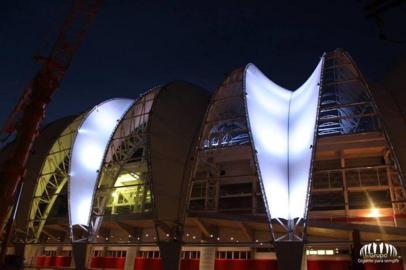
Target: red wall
pixel 107 262
pixel 193 264
pixel 345 265
pixel 147 264
pixel 226 264
pixel 156 264
pixel 383 266
pixel 189 264
pixel 53 261
pixel 328 265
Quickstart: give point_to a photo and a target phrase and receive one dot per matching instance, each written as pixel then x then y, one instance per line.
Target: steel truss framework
pixel 215 183
pixel 346 107
pixel 126 156
pixel 51 181
pixel 224 177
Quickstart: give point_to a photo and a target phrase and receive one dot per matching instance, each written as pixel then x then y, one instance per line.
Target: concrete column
pixel 403 255
pixel 356 246
pixel 289 254
pixel 304 260
pixel 345 186
pixel 79 254
pixel 170 254
pixel 19 250
pixel 31 252
pixel 207 258
pixel 130 258
pixel 59 250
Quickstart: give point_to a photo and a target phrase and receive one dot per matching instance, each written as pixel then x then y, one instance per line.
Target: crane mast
pixel 26 117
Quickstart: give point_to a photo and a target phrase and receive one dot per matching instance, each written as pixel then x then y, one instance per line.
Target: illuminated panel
pixel 282 127
pixel 302 128
pixel 87 156
pixel 268 112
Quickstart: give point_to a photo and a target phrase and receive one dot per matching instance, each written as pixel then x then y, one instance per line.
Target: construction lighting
pixel 374 213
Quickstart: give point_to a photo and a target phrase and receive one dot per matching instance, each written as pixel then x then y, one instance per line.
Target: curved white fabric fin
pixel 283 125
pixel 87 156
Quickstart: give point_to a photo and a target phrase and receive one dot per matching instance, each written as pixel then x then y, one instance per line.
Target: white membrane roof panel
pixel 302 130
pixel 87 156
pixel 282 125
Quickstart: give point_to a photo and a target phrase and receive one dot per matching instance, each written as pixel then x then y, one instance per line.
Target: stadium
pixel 180 178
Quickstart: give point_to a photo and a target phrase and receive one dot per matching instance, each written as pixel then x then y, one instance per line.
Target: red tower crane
pixel 26 118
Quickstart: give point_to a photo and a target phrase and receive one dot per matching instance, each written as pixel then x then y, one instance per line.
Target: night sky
pixel 135 45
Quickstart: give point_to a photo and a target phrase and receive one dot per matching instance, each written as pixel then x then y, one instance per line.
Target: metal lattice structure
pixel 51 181
pixel 353 165
pixel 346 106
pixel 223 144
pixel 349 115
pixel 126 159
pixel 145 181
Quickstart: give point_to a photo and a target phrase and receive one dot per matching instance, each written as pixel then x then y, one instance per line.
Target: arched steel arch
pixel 348 107
pixel 87 155
pixel 283 128
pixel 50 181
pixel 224 128
pixel 251 115
pixel 154 124
pixel 126 154
pixel 166 135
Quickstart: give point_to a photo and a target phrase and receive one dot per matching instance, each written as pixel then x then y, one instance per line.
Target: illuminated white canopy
pixel 87 155
pixel 282 125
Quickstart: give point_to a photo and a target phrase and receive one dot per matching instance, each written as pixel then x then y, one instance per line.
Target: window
pixel 190 254
pixel 149 254
pixel 229 254
pixel 322 252
pixel 67 253
pixel 98 253
pixel 236 255
pixel 49 253
pixel 116 253
pixel 362 200
pixel 330 200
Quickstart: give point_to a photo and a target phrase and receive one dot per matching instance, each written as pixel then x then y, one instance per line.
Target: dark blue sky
pixel 134 45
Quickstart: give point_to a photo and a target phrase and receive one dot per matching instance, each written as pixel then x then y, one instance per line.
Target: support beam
pixel 170 254
pixel 360 227
pixel 79 253
pixel 62 227
pixel 202 227
pixel 356 246
pixel 403 254
pixel 289 254
pixel 246 231
pixel 164 228
pixel 133 231
pixel 49 234
pixel 105 232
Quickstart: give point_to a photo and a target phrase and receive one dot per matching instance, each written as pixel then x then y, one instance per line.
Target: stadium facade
pixel 252 176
